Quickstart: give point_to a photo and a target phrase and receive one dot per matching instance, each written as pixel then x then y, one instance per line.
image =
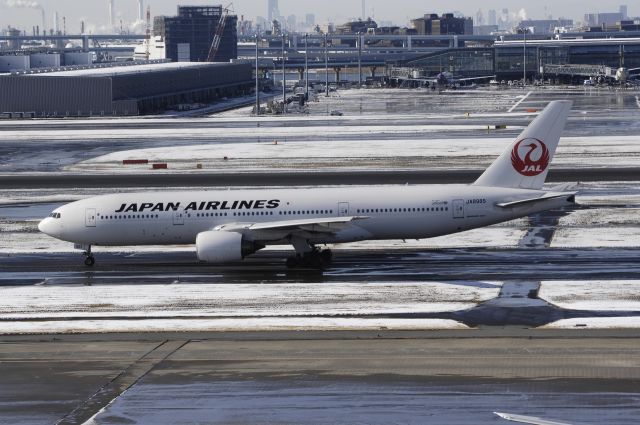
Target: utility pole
pixel 524 61
pixel 284 79
pixel 359 41
pixel 147 50
pixel 257 80
pixel 326 67
pixel 306 67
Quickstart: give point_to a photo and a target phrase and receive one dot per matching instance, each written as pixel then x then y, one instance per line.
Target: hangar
pixel 121 90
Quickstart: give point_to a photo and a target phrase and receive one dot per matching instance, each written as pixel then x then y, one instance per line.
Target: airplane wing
pixel 283 228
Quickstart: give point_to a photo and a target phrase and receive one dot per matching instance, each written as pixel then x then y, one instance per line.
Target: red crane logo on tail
pixel 530 165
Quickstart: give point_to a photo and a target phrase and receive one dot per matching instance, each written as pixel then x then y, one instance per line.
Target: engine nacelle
pixel 223 247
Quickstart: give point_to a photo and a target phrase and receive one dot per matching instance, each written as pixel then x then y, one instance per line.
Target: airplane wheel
pixel 292 262
pixel 89 261
pixel 326 255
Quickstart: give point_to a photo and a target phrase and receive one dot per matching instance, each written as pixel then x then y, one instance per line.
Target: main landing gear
pixel 89 260
pixel 314 259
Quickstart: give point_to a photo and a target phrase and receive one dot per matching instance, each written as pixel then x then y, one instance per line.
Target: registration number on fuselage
pixel 476 201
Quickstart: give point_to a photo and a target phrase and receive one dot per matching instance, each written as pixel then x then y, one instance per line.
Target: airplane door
pixel 458 208
pixel 90 217
pixel 343 209
pixel 178 218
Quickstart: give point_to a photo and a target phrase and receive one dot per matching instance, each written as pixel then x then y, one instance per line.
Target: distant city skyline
pixel 25 14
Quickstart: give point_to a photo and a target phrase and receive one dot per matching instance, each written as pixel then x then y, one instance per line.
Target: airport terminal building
pixel 506 59
pixel 121 90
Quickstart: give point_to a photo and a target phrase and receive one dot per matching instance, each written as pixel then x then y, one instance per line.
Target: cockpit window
pixel 55 215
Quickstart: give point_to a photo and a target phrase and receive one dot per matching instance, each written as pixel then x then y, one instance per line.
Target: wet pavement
pixel 456 377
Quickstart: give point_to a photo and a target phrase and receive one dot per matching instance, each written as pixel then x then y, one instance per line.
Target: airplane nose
pixel 46 226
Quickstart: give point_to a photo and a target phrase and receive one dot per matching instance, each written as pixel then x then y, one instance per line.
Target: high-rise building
pixel 310 19
pixel 273 12
pixel 292 23
pixel 600 19
pixel 189 35
pixel 624 11
pixel 432 24
pixel 492 17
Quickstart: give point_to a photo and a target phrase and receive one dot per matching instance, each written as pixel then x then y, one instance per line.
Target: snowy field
pixel 224 325
pixel 380 130
pixel 276 154
pixel 593 295
pixel 185 307
pixel 301 306
pixel 242 301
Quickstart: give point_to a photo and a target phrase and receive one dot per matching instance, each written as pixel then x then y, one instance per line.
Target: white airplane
pixel 228 225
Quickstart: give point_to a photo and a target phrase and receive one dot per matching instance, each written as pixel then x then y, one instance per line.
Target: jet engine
pixel 223 247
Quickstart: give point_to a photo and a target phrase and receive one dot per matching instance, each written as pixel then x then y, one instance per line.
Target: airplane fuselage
pixel 386 212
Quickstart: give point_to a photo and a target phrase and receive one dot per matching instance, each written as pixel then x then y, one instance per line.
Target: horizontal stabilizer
pixel 546 197
pixel 532 420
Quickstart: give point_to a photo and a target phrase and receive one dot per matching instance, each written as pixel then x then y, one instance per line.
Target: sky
pixel 24 14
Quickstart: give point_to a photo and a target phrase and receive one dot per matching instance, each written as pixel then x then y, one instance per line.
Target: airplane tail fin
pixel 525 164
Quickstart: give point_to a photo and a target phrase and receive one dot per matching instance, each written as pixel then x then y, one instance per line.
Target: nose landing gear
pixel 89 260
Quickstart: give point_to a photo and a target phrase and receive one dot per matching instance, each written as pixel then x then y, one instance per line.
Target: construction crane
pixel 215 44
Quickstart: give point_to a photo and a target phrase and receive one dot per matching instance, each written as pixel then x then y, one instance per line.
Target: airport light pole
pixel 359 41
pixel 257 80
pixel 306 67
pixel 326 67
pixel 524 59
pixel 284 80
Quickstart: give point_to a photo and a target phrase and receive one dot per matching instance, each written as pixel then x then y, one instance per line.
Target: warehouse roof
pixel 128 69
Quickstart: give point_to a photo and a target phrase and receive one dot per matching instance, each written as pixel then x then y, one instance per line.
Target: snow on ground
pixel 240 300
pixel 248 307
pixel 596 323
pixel 592 294
pixel 411 153
pixel 609 199
pixel 222 325
pixel 8 199
pixel 596 237
pixel 607 217
pixel 269 133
